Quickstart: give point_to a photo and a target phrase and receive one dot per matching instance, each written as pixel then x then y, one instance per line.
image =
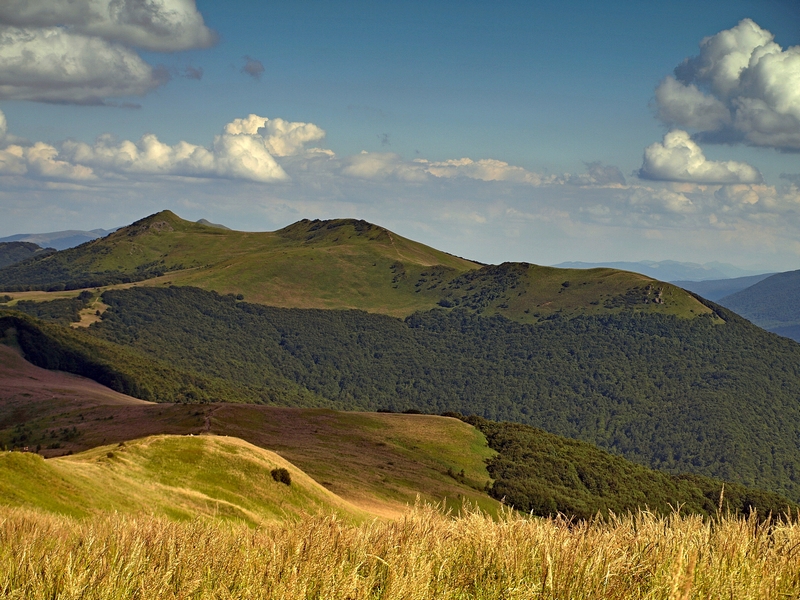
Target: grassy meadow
pixel 425 554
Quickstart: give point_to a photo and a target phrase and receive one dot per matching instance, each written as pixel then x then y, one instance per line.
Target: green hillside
pixel 683 395
pixel 14 252
pixel 176 476
pixel 339 264
pixel 127 370
pixel 381 463
pixel 540 473
pixel 770 303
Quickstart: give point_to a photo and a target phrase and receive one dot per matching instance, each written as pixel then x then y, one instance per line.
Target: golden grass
pixel 423 555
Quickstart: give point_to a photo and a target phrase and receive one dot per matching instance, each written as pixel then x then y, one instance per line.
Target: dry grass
pixel 423 555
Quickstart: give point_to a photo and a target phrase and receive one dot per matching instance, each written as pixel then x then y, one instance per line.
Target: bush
pixel 281 475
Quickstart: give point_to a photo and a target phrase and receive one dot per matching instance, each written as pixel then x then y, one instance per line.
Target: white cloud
pixel 741 87
pixel 486 169
pixel 679 158
pixel 245 150
pixel 159 25
pixel 40 161
pixel 54 65
pixel 383 165
pixel 689 107
pixel 80 51
pixel 281 138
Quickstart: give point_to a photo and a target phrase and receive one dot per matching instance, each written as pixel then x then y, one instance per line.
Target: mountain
pixel 669 270
pixel 771 304
pixel 14 252
pixel 60 240
pixel 716 289
pixel 339 264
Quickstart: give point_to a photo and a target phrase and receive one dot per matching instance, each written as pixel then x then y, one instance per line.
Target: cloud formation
pixel 742 87
pixel 158 25
pixel 55 65
pixel 679 158
pixel 80 51
pixel 246 150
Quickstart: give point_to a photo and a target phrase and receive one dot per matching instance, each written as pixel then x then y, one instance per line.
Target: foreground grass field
pixel 423 555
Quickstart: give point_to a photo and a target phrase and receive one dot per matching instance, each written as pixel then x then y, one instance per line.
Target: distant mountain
pixel 719 288
pixel 210 224
pixel 60 240
pixel 14 252
pixel 771 303
pixel 669 270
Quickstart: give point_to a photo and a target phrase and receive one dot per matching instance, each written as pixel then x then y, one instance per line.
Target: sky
pixel 498 131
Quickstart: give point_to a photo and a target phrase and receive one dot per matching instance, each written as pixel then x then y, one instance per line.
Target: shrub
pixel 281 475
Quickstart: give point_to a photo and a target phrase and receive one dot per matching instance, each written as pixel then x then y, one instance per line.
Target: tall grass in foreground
pixel 424 555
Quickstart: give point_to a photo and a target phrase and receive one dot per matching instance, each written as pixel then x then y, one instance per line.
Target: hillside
pixel 682 395
pixel 544 474
pixel 339 264
pixel 378 462
pixel 716 289
pixel 176 476
pixel 14 252
pixel 771 304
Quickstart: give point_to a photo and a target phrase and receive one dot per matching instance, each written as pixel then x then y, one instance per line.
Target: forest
pixel 675 394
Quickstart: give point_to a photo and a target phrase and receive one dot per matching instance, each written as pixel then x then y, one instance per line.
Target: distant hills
pixel 717 289
pixel 669 270
pixel 60 240
pixel 772 303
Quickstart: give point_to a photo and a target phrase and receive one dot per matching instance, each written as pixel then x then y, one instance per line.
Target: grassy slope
pixel 378 461
pixel 176 476
pixel 344 264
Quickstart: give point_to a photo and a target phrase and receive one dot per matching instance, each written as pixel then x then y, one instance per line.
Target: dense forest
pixel 676 394
pixel 14 252
pixel 544 474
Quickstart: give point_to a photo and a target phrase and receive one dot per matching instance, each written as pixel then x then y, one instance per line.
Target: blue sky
pixel 529 131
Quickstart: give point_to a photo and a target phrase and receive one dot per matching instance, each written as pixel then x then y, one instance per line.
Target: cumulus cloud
pixel 246 150
pixel 679 158
pixel 252 67
pixel 55 65
pixel 281 138
pixel 41 161
pixel 159 25
pixel 741 87
pixel 80 51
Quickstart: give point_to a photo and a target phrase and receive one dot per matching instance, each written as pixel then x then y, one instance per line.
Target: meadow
pixel 425 554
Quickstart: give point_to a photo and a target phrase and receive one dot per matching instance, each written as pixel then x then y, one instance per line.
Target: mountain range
pixel 669 270
pixel 346 315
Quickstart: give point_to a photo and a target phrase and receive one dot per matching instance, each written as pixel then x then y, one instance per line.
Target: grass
pixel 176 476
pixel 422 555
